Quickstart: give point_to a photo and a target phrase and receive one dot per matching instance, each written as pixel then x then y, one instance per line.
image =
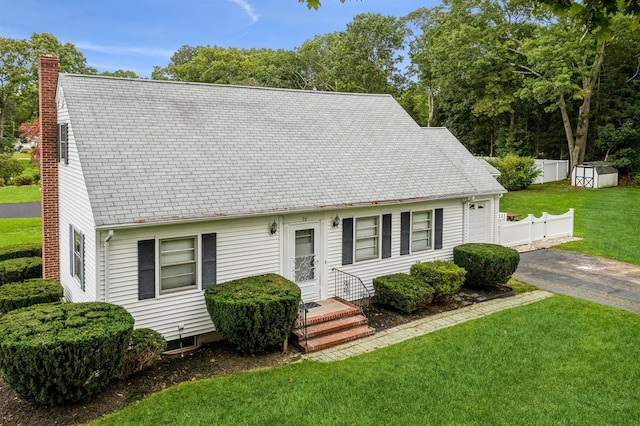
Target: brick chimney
pixel 48 82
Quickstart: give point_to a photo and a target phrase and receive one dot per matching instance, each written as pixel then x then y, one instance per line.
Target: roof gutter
pixel 181 221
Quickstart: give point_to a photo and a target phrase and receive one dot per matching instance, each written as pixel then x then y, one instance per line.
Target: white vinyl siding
pixel 421 235
pixel 178 264
pixel 245 247
pixel 453 215
pixel 75 210
pixel 367 238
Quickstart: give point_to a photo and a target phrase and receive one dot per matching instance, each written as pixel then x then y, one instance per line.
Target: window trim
pixel 377 237
pixel 197 262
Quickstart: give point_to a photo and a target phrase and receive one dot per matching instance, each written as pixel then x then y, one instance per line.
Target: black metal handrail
pixel 350 287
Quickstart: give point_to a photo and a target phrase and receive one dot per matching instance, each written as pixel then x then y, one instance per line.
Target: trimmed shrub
pixel 23 180
pixel 63 352
pixel 2 182
pixel 486 264
pixel 515 172
pixel 254 313
pixel 402 291
pixel 10 167
pixel 20 269
pixel 23 250
pixel 145 348
pixel 27 293
pixel 445 277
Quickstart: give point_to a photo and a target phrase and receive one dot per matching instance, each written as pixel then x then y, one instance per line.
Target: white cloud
pixel 248 9
pixel 123 50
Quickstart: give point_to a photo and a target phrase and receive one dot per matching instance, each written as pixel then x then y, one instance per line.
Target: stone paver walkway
pixel 423 326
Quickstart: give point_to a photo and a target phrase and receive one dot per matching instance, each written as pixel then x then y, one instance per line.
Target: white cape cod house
pixel 155 190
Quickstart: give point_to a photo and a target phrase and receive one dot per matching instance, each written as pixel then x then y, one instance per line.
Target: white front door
pixel 303 259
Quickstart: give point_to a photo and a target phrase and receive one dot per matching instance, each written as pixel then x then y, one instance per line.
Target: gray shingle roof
pixel 154 151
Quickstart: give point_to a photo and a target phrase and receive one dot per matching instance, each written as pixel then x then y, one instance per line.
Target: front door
pixel 303 259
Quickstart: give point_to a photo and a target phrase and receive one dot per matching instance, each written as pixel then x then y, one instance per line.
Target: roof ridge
pixel 235 86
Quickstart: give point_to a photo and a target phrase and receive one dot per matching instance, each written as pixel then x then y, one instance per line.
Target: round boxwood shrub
pixel 62 352
pixel 23 180
pixel 21 250
pixel 402 291
pixel 145 348
pixel 486 264
pixel 27 293
pixel 254 313
pixel 20 269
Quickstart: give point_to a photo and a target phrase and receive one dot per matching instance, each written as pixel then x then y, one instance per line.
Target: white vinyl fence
pixel 531 228
pixel 551 170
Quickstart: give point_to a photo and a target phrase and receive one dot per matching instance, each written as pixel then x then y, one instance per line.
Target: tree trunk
pixel 432 107
pixel 577 142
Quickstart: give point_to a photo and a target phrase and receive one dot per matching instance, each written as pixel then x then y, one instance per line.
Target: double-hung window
pixel 76 255
pixel 421 230
pixel 367 238
pixel 178 264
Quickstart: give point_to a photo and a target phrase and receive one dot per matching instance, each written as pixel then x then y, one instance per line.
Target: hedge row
pixel 402 291
pixel 254 313
pixel 56 353
pixel 23 250
pixel 445 277
pixel 20 269
pixel 31 292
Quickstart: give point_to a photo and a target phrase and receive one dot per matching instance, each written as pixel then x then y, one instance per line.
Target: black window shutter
pixel 65 142
pixel 209 264
pixel 437 242
pixel 405 232
pixel 146 269
pixel 81 271
pixel 72 245
pixel 347 241
pixel 386 236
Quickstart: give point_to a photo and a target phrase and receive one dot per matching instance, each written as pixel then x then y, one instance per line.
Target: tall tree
pixel 19 75
pixel 562 70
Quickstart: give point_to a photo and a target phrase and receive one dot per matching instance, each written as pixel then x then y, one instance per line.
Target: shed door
pixel 478 231
pixel 303 263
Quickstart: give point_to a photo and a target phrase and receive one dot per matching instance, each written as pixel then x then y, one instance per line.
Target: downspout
pixel 106 265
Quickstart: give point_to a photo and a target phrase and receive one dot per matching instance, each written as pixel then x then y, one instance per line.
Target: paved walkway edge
pixel 425 325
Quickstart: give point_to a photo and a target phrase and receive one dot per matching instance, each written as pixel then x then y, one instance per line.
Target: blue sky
pixel 138 34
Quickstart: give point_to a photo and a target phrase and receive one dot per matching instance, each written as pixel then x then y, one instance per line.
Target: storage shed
pixel 594 174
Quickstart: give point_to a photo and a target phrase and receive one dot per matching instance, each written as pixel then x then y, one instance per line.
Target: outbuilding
pixel 594 174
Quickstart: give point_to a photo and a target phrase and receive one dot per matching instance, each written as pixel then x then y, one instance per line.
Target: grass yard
pixel 19 194
pixel 608 219
pixel 20 231
pixel 558 361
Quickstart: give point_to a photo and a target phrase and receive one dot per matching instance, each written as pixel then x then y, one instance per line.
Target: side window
pixel 178 264
pixel 76 255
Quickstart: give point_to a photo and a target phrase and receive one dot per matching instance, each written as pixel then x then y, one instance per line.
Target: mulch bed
pixel 211 360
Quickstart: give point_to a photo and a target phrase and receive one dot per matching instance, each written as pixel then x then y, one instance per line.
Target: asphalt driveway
pixel 20 210
pixel 588 277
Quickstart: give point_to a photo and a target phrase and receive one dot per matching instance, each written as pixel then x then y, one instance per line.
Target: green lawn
pixel 608 219
pixel 558 361
pixel 19 194
pixel 20 231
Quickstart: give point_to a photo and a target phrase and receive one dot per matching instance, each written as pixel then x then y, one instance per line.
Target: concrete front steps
pixel 332 323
